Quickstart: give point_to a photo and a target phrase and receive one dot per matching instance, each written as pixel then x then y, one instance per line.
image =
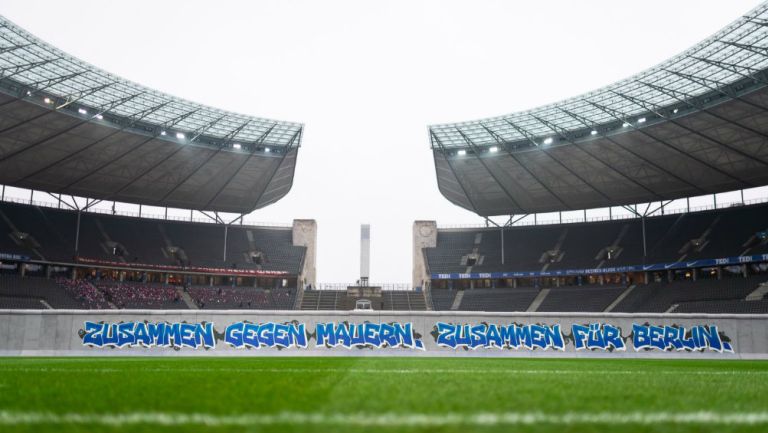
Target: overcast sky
pixel 366 78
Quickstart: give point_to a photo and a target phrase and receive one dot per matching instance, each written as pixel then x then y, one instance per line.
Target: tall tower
pixel 365 253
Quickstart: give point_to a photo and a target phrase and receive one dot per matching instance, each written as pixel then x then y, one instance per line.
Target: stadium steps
pixel 619 298
pixel 187 299
pixel 538 300
pixel 309 300
pixel 758 293
pixel 457 300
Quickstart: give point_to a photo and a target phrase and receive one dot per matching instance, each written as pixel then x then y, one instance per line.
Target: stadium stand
pixel 729 295
pixel 670 238
pixel 48 234
pixel 242 298
pixel 13 286
pixel 662 297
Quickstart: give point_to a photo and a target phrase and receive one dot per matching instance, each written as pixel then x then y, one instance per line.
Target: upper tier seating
pixel 49 234
pixel 671 238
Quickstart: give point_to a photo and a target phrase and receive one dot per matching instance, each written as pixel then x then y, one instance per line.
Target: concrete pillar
pixel 514 283
pixel 694 274
pixel 22 269
pixel 669 276
pixel 719 272
pixel 74 273
pixel 645 278
pixel 304 234
pixel 424 235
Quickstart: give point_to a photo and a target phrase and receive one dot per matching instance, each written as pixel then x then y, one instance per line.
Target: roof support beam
pixel 530 137
pixel 58 133
pixel 659 113
pixel 243 164
pixel 561 132
pixel 607 137
pixel 141 115
pixel 688 101
pixel 444 153
pixel 717 86
pixel 131 150
pixel 294 140
pixel 501 143
pixel 752 73
pixel 487 169
pixel 622 118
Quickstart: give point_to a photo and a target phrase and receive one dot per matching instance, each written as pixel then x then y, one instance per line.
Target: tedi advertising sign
pixel 403 336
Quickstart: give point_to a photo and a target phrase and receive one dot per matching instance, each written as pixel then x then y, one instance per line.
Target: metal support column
pixel 77 234
pixel 645 248
pixel 225 243
pixel 502 245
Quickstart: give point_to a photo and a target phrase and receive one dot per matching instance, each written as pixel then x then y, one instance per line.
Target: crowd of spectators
pixel 85 293
pixel 124 295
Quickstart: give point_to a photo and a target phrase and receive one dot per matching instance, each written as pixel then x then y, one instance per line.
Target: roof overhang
pixel 696 124
pixel 67 127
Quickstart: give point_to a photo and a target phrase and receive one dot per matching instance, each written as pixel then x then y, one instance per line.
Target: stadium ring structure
pixel 696 124
pixel 69 128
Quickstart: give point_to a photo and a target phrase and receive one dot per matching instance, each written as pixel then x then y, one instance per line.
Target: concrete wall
pixel 305 235
pixel 424 236
pixel 52 332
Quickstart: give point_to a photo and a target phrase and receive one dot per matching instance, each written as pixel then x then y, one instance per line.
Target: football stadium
pixel 616 278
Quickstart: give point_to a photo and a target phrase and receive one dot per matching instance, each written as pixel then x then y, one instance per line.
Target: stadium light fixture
pixel 237 146
pixel 641 120
pixel 29 93
pixel 47 100
pixel 180 135
pixel 82 111
pixel 494 149
pixel 162 132
pixel 626 124
pixel 461 152
pixel 674 111
pixel 548 140
pixel 593 132
pixel 100 117
pixel 266 149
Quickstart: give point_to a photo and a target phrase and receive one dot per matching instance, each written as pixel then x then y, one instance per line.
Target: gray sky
pixel 366 78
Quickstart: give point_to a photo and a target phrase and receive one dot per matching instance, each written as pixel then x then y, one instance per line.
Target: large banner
pixel 298 333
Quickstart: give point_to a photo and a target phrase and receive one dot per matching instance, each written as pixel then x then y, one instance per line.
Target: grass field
pixel 380 395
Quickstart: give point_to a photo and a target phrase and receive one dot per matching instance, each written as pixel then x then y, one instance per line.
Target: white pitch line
pixel 392 371
pixel 385 419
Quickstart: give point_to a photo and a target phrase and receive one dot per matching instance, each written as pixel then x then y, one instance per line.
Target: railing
pixel 667 211
pixel 384 286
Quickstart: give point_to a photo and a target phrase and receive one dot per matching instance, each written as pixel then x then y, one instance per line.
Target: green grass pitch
pixel 355 394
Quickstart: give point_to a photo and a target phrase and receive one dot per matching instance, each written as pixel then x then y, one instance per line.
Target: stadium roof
pixel 695 124
pixel 67 127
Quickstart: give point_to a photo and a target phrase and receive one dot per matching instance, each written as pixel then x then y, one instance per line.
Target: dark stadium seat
pixel 723 232
pixel 146 241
